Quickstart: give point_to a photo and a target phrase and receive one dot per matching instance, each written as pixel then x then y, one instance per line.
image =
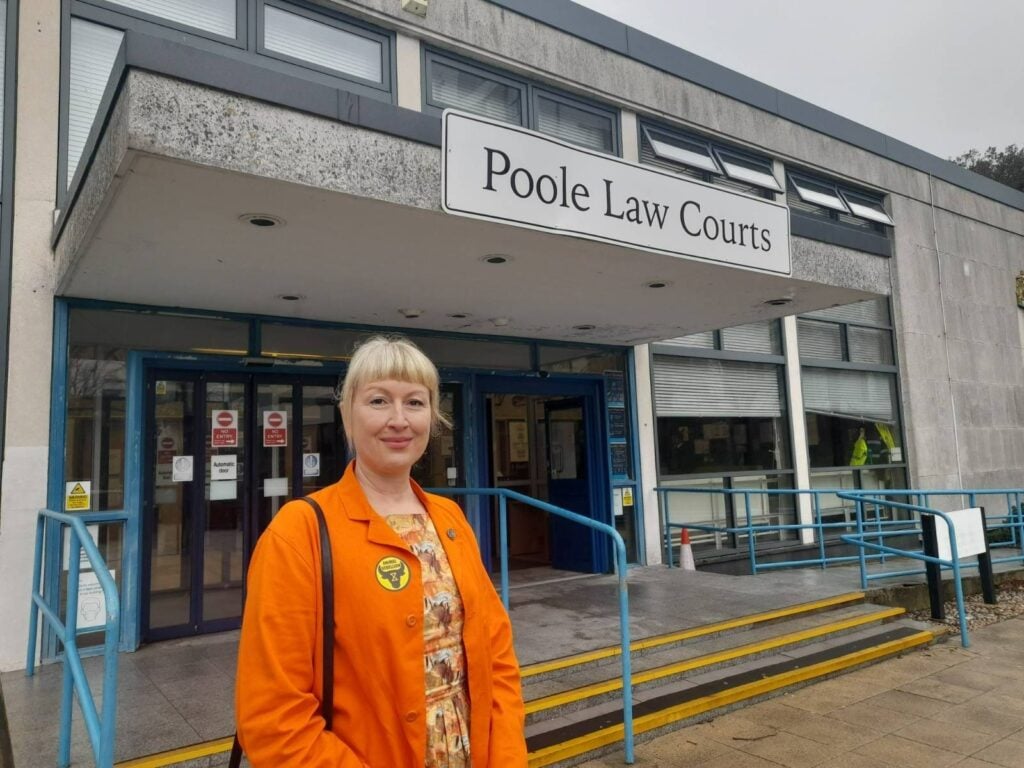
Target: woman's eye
pixel 378 401
pixel 417 404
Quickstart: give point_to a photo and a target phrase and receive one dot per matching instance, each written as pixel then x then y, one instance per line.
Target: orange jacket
pixel 379 695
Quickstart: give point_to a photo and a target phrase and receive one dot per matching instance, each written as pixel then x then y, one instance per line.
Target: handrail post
pixel 858 506
pixel 33 614
pixel 503 543
pixel 666 531
pixel 751 547
pixel 816 495
pixel 627 659
pixel 70 641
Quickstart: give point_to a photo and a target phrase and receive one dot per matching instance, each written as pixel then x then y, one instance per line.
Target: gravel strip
pixel 1010 603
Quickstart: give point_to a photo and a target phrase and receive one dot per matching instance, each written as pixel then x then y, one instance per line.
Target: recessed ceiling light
pixel 458 315
pixel 657 284
pixel 410 312
pixel 290 296
pixel 500 322
pixel 497 258
pixel 584 327
pixel 780 302
pixel 262 220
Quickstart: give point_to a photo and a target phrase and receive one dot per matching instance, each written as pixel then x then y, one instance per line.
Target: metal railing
pixel 99 725
pixel 865 517
pixel 504 495
pixel 861 540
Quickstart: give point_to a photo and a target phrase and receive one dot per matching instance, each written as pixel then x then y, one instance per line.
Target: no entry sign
pixel 225 429
pixel 275 429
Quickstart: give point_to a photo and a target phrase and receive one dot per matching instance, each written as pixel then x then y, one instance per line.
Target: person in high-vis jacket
pixel 425 673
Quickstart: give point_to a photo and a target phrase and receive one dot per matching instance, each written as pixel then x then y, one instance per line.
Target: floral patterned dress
pixel 444 661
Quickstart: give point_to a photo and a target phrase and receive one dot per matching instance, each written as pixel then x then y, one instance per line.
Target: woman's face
pixel 390 426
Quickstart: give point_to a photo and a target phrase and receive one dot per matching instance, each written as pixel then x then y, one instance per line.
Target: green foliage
pixel 1004 165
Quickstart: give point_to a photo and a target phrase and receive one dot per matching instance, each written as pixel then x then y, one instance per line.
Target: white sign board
pixel 311 465
pixel 969 531
pixel 181 469
pixel 92 608
pixel 224 467
pixel 509 174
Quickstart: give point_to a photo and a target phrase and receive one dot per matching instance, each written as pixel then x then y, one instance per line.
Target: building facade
pixel 633 267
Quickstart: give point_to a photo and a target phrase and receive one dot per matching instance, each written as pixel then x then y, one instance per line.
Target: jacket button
pixel 410 620
pixel 410 717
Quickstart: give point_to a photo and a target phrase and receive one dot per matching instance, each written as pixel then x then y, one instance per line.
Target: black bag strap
pixel 327 587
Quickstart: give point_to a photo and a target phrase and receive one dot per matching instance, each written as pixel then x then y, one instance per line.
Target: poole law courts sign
pixel 509 174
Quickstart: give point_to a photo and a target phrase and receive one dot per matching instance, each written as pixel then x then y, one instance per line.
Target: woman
pixel 424 669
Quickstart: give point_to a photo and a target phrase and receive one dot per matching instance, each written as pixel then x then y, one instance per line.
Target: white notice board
pixel 969 531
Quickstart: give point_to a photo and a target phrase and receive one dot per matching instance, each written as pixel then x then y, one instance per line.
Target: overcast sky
pixel 943 75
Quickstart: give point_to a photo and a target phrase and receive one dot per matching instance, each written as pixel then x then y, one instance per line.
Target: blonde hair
pixel 380 358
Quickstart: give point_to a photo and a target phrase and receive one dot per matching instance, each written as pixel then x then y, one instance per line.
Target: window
pixel 214 16
pixel 826 199
pixel 704 159
pixel 851 398
pixel 94 50
pixel 325 43
pixel 460 84
pixel 761 338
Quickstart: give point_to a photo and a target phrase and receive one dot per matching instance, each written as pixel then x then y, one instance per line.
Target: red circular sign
pixel 167 443
pixel 225 419
pixel 274 419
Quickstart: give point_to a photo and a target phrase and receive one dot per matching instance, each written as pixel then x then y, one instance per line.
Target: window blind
pixel 860 395
pixel 216 16
pixel 93 53
pixel 761 337
pixel 697 387
pixel 870 312
pixel 702 340
pixel 820 340
pixel 577 126
pixel 325 45
pixel 468 91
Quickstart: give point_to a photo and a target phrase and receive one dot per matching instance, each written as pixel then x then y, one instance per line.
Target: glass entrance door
pixel 224 453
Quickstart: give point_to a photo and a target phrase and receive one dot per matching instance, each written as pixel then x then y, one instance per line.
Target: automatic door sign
pixel 311 465
pixel 77 496
pixel 225 429
pixel 223 468
pixel 392 573
pixel 275 429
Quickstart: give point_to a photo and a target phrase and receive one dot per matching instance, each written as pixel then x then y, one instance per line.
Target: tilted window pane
pixel 761 337
pixel 690 386
pixel 468 91
pixel 819 340
pixel 870 345
pixel 862 395
pixel 870 312
pixel 575 125
pixel 322 44
pixel 216 16
pixel 696 154
pixel 93 53
pixel 748 170
pixel 866 208
pixel 818 193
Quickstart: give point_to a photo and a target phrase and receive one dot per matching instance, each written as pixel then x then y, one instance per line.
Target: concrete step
pixel 700 694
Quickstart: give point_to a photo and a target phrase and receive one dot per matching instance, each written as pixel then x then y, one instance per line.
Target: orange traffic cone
pixel 686 551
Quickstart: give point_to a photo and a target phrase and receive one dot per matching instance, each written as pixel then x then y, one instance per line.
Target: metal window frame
pixel 608 113
pixel 529 91
pixel 430 56
pixel 648 130
pixel 851 197
pixel 241 27
pixel 795 180
pixel 722 154
pixel 330 19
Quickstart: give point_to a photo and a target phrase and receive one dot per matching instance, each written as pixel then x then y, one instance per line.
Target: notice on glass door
pixel 224 431
pixel 275 429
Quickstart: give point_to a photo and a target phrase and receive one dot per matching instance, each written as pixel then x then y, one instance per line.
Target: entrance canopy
pixel 202 199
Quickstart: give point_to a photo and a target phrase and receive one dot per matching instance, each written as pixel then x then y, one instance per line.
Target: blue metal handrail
pixel 100 726
pixel 953 563
pixel 1013 521
pixel 504 495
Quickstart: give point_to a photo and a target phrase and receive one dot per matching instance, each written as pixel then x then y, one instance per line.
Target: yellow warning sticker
pixel 77 496
pixel 627 497
pixel 392 573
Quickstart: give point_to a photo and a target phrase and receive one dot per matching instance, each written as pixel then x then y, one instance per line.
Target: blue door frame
pixel 589 390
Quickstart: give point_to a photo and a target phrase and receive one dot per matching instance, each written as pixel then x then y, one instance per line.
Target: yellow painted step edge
pixel 180 755
pixel 687 634
pixel 613 734
pixel 615 684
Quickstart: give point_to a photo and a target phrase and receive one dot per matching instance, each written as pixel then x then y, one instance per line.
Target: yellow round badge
pixel 392 573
